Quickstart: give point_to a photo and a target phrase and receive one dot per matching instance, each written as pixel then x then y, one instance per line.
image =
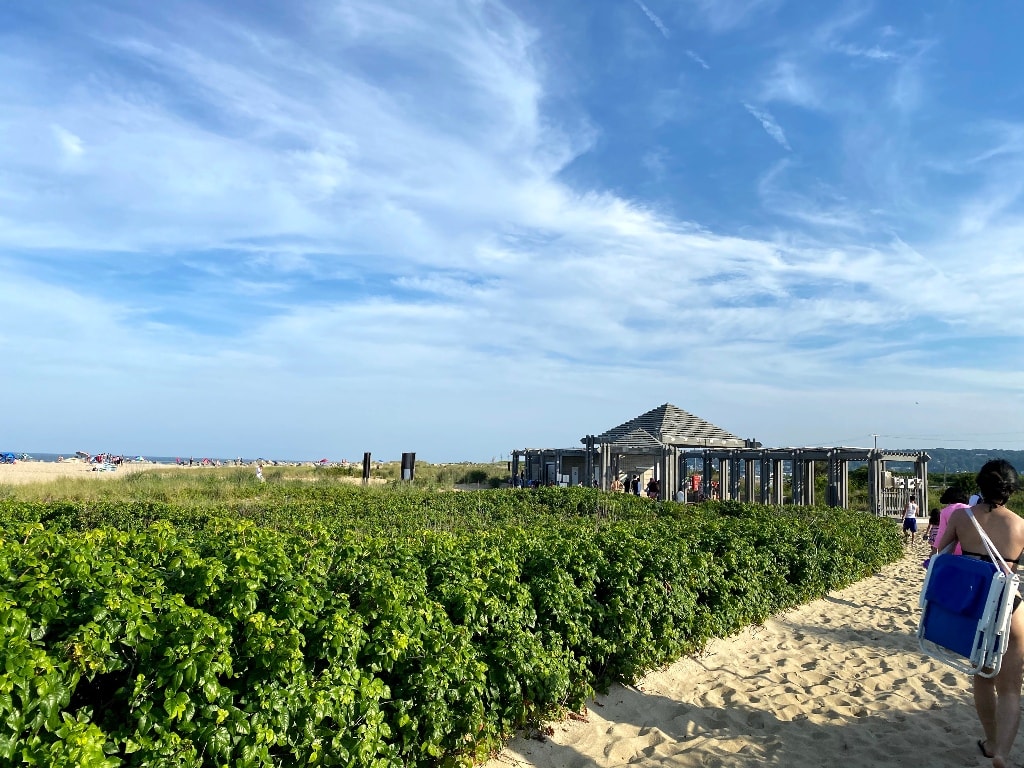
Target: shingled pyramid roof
pixel 638 438
pixel 669 425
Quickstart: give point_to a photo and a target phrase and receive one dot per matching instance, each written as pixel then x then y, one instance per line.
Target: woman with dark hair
pixel 996 699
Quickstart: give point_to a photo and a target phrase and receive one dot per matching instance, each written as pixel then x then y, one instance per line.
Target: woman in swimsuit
pixel 997 699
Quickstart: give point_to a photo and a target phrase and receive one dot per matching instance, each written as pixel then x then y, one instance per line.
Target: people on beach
pixel 634 485
pixel 953 498
pixel 931 533
pixel 910 521
pixel 996 699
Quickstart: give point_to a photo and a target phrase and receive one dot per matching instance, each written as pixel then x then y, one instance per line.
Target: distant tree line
pixel 946 467
pixel 954 460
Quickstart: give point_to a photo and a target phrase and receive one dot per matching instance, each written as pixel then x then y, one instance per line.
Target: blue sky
pixel 312 229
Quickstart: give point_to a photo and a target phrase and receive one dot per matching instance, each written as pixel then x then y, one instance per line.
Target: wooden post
pixel 749 488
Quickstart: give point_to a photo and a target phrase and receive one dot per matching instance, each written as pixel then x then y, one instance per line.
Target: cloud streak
pixel 771 127
pixel 657 22
pixel 697 58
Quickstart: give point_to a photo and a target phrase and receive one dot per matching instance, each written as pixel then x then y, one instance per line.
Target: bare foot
pixel 998 762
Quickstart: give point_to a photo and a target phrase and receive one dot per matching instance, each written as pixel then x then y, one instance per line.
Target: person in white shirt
pixel 910 521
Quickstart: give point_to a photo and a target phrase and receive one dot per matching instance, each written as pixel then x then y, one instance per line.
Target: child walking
pixel 932 531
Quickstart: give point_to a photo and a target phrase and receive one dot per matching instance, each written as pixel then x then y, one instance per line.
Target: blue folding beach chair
pixel 966 606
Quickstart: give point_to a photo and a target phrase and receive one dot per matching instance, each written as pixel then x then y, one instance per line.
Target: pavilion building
pixel 676 447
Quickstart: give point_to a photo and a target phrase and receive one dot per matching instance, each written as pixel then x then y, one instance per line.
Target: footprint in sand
pixel 790 712
pixel 649 751
pixel 718 720
pixel 756 720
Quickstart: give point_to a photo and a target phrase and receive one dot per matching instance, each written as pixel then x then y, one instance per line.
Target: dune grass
pixel 225 484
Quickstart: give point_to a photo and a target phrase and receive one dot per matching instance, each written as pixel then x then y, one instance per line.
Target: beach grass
pixel 231 483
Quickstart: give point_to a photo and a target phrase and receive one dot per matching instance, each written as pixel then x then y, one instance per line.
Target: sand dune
pixel 837 682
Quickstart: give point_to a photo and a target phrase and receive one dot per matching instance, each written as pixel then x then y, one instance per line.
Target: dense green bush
pixel 331 625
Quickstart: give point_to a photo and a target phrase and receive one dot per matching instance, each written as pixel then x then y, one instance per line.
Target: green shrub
pixel 312 623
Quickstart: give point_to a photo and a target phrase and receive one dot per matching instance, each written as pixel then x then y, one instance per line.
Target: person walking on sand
pixel 910 521
pixel 931 533
pixel 996 699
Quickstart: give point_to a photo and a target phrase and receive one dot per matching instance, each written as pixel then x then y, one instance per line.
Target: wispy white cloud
pixel 787 83
pixel 908 88
pixel 69 144
pixel 723 15
pixel 771 127
pixel 380 204
pixel 654 18
pixel 987 170
pixel 656 161
pixel 814 205
pixel 697 58
pixel 873 52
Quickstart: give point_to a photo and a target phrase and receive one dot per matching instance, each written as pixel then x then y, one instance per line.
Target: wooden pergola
pixel 660 441
pixel 667 440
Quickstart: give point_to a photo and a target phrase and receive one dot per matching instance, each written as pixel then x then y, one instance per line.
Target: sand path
pixel 837 682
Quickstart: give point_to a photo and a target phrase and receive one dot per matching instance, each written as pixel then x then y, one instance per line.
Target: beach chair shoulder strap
pixel 989 546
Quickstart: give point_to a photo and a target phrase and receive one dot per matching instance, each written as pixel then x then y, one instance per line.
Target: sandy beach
pixel 838 682
pixel 43 471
